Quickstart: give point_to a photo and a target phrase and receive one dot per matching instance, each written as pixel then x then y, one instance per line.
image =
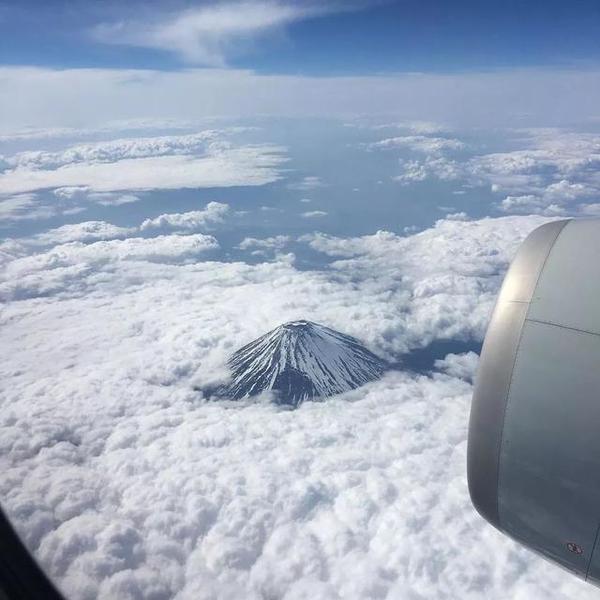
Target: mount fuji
pixel 299 361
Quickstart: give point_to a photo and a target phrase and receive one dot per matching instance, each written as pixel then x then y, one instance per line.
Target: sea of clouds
pixel 127 482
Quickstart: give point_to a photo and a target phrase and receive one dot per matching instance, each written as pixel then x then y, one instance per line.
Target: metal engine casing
pixel 533 459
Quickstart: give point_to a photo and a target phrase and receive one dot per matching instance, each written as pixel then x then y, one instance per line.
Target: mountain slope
pixel 302 360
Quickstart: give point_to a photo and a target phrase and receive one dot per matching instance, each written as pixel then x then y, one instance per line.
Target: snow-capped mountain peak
pixel 300 360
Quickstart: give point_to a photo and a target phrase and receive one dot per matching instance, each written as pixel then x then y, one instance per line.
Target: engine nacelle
pixel 534 433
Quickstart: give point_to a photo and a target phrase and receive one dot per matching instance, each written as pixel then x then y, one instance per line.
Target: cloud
pixel 409 229
pixel 112 199
pixel 30 207
pixel 143 164
pixel 419 143
pixel 214 212
pixel 462 366
pixel 414 127
pixel 560 198
pixel 555 174
pixel 457 216
pixel 210 34
pixel 308 183
pixel 83 193
pixel 120 148
pixel 44 98
pixel 68 201
pixel 565 191
pixel 528 204
pixel 311 214
pixel 65 268
pixel 90 231
pixel 277 242
pixel 437 167
pixel 135 125
pixel 87 231
pixel 348 247
pixel 558 166
pixel 125 483
pixel 23 207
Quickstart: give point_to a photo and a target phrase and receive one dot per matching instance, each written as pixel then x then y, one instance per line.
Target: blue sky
pixel 310 38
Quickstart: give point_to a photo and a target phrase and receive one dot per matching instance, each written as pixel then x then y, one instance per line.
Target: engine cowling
pixel 534 434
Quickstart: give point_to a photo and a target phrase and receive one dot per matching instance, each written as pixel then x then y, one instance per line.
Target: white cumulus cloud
pixel 125 483
pixel 462 366
pixel 214 212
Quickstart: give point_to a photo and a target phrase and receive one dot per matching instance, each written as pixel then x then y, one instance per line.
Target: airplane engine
pixel 534 434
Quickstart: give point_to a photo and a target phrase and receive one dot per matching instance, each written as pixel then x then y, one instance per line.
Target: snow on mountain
pixel 300 360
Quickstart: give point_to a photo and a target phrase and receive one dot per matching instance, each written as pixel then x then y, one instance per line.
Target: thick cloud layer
pixel 128 484
pixel 205 159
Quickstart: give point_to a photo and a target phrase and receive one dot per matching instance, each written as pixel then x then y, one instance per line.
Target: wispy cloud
pixel 209 35
pixel 307 183
pixel 311 214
